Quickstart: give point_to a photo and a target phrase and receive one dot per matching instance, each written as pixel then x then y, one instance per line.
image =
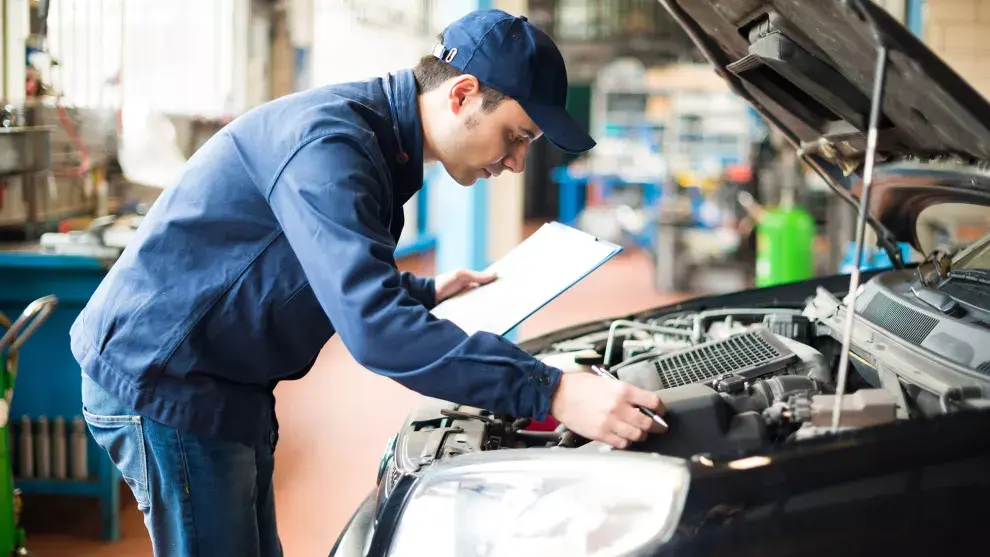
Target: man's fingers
pixel 628 431
pixel 633 416
pixel 481 277
pixel 646 399
pixel 636 418
pixel 615 441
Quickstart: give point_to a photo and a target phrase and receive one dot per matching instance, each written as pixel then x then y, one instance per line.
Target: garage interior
pixel 128 90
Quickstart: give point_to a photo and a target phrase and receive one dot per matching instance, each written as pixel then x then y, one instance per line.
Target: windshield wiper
pixel 939 300
pixel 981 276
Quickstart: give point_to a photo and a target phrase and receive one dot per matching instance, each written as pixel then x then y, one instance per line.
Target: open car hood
pixel 808 68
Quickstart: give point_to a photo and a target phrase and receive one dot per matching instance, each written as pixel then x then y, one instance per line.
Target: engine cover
pixel 702 422
pixel 747 355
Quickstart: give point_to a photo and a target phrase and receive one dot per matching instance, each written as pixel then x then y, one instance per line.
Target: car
pixel 838 415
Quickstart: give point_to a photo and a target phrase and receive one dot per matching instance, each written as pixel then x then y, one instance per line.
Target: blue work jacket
pixel 279 233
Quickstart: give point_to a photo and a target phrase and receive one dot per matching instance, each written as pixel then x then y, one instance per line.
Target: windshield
pixel 975 256
pixel 951 227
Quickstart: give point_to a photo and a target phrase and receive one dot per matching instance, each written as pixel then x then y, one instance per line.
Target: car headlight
pixel 542 502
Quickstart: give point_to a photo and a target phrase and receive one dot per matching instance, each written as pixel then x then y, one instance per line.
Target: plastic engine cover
pixel 702 422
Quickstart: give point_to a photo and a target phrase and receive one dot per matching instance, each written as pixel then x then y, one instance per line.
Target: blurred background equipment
pixel 674 142
pixel 69 145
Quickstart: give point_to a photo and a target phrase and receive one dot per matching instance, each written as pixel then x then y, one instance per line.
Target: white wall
pixel 13 32
pixel 86 38
pixel 186 56
pixel 959 32
pixel 355 39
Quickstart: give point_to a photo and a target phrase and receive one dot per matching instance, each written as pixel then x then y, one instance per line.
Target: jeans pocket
pixel 122 437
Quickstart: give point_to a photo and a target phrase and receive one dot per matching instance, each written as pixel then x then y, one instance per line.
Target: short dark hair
pixel 430 72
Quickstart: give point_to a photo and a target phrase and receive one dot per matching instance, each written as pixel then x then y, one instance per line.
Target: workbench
pixel 49 379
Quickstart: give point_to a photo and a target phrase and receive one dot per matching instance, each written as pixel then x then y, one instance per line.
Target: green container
pixel 784 241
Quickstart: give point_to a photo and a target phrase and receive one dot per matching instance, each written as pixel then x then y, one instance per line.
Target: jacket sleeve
pixel 329 200
pixel 422 289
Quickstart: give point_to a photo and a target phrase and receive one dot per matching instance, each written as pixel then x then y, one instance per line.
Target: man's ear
pixel 463 90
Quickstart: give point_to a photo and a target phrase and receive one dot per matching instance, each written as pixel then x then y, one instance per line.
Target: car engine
pixel 732 380
pixel 739 380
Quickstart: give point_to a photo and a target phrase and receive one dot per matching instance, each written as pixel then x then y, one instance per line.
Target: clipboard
pixel 530 276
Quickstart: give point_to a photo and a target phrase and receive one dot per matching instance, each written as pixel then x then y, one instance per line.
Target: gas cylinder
pixel 784 242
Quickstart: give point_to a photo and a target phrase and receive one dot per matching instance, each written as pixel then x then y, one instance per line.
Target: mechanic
pixel 279 233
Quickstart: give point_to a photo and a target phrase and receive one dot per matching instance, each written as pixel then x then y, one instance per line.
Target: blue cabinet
pixel 48 379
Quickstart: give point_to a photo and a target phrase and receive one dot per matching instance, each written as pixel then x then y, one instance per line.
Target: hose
pixel 637 326
pixel 545 436
pixel 958 395
pixel 72 132
pixel 943 401
pixel 635 359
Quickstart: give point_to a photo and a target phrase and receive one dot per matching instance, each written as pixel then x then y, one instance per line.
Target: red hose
pixel 70 128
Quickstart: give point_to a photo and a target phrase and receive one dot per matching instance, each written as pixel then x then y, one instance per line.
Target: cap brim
pixel 559 127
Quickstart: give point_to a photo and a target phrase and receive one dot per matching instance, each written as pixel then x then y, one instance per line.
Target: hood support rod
pixel 876 102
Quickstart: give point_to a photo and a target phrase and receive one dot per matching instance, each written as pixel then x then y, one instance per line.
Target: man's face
pixel 473 143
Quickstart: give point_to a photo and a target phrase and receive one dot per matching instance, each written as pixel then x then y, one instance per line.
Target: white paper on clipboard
pixel 530 276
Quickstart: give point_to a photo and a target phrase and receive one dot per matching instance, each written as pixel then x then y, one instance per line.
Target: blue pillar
pixel 462 225
pixel 462 222
pixel 913 18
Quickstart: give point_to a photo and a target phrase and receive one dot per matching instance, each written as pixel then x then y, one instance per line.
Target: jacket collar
pixel 407 164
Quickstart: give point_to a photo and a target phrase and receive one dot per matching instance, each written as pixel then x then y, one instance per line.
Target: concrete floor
pixel 334 425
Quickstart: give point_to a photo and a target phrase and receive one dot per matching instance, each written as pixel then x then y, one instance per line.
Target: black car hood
pixel 808 68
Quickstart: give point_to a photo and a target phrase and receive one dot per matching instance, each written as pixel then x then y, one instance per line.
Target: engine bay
pixel 739 380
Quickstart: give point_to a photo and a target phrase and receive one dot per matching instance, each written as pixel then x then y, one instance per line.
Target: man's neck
pixel 426 112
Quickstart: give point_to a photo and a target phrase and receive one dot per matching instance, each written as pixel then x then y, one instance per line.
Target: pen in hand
pixel 653 415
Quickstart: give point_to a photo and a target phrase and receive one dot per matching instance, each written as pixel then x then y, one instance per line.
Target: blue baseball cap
pixel 514 57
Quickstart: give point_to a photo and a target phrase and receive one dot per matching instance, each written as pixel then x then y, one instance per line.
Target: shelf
pixel 84 488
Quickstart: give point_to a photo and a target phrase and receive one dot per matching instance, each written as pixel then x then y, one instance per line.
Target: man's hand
pixel 453 283
pixel 602 410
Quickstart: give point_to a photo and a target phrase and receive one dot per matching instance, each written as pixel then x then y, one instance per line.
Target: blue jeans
pixel 199 496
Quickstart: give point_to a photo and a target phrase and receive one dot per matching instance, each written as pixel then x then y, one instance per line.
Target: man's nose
pixel 516 160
